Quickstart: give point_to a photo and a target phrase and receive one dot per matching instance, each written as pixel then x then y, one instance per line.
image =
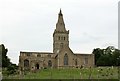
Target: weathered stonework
pixel 62 56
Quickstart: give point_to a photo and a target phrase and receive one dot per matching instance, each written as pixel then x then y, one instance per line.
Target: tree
pixel 107 57
pixel 5 59
pixel 10 68
pixel 98 53
pixel 116 57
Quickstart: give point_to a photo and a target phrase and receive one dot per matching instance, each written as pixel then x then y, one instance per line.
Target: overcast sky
pixel 28 25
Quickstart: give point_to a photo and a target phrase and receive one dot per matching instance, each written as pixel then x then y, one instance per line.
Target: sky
pixel 28 25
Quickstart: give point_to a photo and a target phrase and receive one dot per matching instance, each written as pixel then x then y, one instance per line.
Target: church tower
pixel 60 35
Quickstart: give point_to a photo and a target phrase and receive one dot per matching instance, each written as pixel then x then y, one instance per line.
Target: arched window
pixel 28 54
pixel 86 61
pixel 66 59
pixel 61 45
pixel 49 63
pixel 38 55
pixel 64 38
pixel 76 62
pixel 26 63
pixel 59 38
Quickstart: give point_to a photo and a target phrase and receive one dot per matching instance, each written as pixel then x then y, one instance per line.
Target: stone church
pixel 61 57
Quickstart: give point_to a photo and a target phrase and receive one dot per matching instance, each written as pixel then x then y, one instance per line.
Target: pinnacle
pixel 60 13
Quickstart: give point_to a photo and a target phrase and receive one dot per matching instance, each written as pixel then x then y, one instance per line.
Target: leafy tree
pixel 98 52
pixel 5 59
pixel 107 57
pixel 116 57
pixel 10 68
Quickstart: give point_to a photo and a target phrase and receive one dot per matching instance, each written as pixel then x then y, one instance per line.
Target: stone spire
pixel 60 26
pixel 60 13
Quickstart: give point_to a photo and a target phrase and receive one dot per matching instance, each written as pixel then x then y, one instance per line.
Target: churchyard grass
pixel 75 73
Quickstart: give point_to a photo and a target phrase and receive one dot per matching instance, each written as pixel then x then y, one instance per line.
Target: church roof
pixel 37 52
pixel 82 54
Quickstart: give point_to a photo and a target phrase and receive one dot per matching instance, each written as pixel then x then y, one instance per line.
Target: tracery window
pixel 66 59
pixel 26 63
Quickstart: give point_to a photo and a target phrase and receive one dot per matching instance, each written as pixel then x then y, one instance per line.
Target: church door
pixel 37 66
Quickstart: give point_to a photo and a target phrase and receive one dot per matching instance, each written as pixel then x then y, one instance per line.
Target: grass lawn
pixel 85 73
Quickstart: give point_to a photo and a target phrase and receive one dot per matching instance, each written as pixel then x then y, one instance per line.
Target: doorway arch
pixel 37 66
pixel 49 63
